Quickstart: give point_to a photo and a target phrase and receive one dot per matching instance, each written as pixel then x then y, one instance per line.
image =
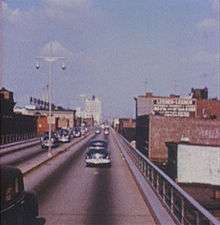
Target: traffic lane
pixel 115 198
pixel 93 195
pixel 27 154
pixel 19 156
pixel 64 199
pixel 39 178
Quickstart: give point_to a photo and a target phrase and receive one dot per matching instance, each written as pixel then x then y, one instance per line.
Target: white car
pixel 98 131
pixel 106 131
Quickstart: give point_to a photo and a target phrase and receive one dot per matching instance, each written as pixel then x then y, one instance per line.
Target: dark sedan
pixel 45 140
pixel 18 207
pixel 97 156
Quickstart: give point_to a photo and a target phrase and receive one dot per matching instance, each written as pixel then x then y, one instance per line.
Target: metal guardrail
pixel 185 209
pixel 10 138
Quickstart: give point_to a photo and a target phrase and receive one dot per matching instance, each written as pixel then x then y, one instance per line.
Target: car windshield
pixel 63 132
pixel 97 151
pixel 98 143
pixel 46 135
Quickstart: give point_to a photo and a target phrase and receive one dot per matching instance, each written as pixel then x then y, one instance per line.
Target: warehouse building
pixel 126 128
pixel 152 132
pixel 196 168
pixel 195 105
pixel 168 118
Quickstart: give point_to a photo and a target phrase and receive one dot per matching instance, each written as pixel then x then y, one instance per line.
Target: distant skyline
pixel 115 49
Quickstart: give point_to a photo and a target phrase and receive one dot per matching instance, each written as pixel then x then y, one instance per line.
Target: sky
pixel 115 49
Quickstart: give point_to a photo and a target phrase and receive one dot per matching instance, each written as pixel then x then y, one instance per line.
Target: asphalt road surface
pixel 94 195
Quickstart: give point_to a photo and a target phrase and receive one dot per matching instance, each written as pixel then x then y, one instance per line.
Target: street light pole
pixel 50 107
pixel 50 59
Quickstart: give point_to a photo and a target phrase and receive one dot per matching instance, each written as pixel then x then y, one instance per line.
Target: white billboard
pixel 198 164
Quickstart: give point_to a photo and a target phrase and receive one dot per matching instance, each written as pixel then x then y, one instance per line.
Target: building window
pixel 217 194
pixel 155 101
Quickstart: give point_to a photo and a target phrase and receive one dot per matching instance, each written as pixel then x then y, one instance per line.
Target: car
pixel 98 131
pixel 76 132
pixel 45 140
pixel 71 132
pixel 98 143
pixel 18 207
pixel 64 136
pixel 83 130
pixel 97 156
pixel 106 131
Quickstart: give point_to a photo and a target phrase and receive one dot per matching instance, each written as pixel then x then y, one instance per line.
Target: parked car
pixel 76 132
pixel 45 140
pixel 83 130
pixel 18 207
pixel 98 131
pixel 106 131
pixel 71 132
pixel 97 156
pixel 64 136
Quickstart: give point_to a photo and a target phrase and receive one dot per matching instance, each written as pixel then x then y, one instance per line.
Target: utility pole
pixel 50 60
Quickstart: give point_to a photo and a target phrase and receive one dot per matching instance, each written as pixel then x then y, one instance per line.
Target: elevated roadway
pixel 94 195
pixel 71 193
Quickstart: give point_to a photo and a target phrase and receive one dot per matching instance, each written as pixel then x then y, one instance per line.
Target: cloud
pixel 205 57
pixel 202 59
pixel 216 6
pixel 68 10
pixel 66 3
pixel 209 24
pixel 56 10
pixel 16 16
pixel 56 49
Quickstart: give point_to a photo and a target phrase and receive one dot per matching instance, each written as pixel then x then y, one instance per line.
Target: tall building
pixel 93 108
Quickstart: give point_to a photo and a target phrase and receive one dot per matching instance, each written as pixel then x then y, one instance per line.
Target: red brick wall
pixel 170 129
pixel 208 108
pixel 204 194
pixel 42 125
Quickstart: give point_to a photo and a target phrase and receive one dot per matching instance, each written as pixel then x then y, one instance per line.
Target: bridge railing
pixel 185 209
pixel 9 138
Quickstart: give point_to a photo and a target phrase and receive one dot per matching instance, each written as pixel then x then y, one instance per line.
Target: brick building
pixel 10 122
pixel 168 118
pixel 208 109
pixel 61 118
pixel 196 105
pixel 127 128
pixel 7 102
pixel 154 131
pixel 173 105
